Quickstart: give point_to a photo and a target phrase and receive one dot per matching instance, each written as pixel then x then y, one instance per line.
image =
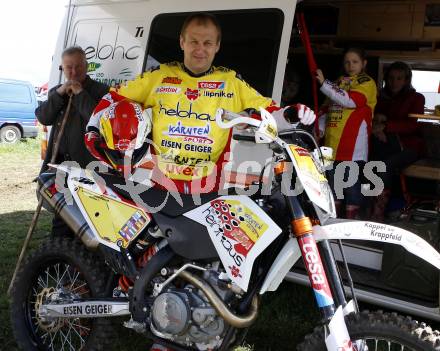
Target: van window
pixel 250 43
pixel 112 51
pixel 17 93
pixel 428 84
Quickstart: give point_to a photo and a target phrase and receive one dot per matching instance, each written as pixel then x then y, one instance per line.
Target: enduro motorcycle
pixel 190 275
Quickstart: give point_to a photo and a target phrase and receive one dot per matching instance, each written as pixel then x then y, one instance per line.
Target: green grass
pixel 20 165
pixel 13 229
pixel 23 148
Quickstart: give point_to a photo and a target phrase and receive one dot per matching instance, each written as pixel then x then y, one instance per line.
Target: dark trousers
pixel 353 194
pixel 395 157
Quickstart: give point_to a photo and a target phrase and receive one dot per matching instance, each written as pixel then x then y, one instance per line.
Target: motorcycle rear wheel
pixel 382 332
pixel 58 263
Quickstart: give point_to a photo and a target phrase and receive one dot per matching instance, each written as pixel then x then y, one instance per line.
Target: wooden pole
pixel 40 201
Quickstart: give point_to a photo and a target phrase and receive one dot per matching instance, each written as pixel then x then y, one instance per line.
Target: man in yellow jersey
pixel 184 97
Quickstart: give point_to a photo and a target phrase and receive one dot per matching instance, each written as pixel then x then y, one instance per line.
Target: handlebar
pixel 244 137
pixel 233 119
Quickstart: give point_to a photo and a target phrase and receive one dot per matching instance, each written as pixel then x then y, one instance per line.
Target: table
pixel 429 116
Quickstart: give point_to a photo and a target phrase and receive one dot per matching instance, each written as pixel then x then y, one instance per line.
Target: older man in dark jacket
pixel 86 94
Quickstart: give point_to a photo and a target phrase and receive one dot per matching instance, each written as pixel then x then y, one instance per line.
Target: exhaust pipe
pixel 220 306
pixel 70 214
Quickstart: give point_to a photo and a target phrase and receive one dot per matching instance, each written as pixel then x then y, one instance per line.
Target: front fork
pixel 302 229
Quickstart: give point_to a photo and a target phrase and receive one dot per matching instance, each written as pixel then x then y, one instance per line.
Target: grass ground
pixel 285 317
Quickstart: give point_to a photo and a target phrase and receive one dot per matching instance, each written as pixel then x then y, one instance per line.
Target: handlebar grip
pixel 244 137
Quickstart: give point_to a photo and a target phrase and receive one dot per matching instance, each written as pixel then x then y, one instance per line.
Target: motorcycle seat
pixel 171 204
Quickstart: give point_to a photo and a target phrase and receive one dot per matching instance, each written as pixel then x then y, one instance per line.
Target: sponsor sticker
pixel 316 271
pixel 172 80
pixel 185 170
pixel 93 66
pixel 134 224
pixel 87 309
pixel 238 224
pixel 183 113
pixel 302 152
pixel 218 94
pixel 235 271
pixel 168 90
pixel 211 85
pixel 383 232
pixel 198 135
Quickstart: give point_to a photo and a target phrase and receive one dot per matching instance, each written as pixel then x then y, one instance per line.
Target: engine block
pixel 184 316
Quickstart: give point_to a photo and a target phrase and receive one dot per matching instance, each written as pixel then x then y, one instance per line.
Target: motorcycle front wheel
pixel 59 265
pixel 381 332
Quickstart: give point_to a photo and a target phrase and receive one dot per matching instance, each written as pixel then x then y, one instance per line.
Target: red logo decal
pixel 235 271
pixel 230 223
pixel 302 152
pixel 192 94
pixel 122 145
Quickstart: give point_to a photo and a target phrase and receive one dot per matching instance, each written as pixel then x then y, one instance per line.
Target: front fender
pixel 371 231
pixel 350 230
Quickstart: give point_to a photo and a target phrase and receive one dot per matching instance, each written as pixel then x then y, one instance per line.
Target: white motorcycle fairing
pixel 289 254
pixel 240 230
pixel 113 221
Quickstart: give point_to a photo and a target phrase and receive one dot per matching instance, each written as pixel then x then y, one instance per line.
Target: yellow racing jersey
pixel 347 129
pixel 188 143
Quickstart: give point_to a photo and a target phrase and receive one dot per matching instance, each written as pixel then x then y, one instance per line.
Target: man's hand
pixel 70 87
pixel 74 88
pixel 305 115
